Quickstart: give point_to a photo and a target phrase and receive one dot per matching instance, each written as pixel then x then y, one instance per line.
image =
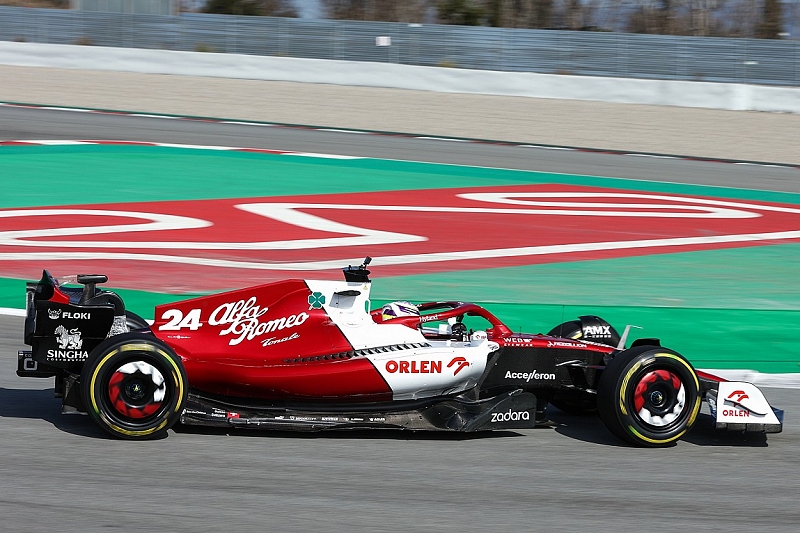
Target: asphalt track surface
pixel 61 472
pixel 53 124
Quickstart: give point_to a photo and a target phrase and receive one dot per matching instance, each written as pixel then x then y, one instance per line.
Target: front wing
pixel 741 406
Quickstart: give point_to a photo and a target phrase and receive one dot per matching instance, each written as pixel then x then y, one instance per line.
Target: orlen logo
pixel 414 367
pixel 736 398
pixel 424 367
pixel 460 362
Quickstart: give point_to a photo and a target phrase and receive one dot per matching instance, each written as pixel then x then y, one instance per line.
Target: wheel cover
pixel 137 390
pixel 659 399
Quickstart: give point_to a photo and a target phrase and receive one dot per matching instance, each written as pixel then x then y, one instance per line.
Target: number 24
pixel 176 320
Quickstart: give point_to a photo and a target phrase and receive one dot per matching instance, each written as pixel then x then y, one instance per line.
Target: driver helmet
pixel 398 309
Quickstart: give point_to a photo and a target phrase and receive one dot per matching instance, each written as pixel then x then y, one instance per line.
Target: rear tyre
pixel 135 322
pixel 134 386
pixel 649 396
pixel 567 330
pixel 588 328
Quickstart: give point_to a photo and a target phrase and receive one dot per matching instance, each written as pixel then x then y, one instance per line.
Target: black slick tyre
pixel 135 322
pixel 567 330
pixel 134 386
pixel 649 396
pixel 589 328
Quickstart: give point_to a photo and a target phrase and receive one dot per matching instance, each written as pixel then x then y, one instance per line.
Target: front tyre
pixel 134 386
pixel 649 396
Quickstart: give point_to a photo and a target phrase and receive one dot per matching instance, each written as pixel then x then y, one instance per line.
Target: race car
pixel 312 355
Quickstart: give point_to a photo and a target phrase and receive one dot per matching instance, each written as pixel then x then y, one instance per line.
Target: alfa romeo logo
pixel 316 300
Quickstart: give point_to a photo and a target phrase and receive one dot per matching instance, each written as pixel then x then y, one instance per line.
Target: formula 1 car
pixel 311 355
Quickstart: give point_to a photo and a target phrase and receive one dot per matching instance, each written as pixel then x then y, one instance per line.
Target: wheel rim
pixel 659 399
pixel 137 390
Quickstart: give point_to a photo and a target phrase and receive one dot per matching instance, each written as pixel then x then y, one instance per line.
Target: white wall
pixel 732 96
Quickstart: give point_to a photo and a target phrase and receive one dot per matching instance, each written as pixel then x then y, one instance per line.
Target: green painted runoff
pixel 60 175
pixel 731 308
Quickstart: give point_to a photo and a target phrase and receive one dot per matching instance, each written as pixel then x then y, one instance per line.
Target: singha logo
pixel 54 314
pixel 69 339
